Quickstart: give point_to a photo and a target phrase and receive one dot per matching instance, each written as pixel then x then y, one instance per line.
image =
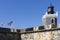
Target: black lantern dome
pixel 51 9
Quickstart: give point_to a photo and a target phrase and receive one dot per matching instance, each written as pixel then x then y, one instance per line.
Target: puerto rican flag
pixel 1 24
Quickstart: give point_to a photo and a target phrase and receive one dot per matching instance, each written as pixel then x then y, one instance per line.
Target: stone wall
pixel 8 36
pixel 42 35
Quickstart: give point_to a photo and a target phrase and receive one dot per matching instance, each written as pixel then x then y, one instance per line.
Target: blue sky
pixel 25 13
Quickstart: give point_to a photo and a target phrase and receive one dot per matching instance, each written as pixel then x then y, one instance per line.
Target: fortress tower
pixel 50 17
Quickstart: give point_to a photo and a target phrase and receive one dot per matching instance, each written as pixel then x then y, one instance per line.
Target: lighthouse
pixel 50 17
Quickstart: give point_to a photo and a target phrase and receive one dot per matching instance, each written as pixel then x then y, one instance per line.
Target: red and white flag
pixel 10 23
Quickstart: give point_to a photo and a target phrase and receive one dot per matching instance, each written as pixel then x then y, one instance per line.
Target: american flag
pixel 10 23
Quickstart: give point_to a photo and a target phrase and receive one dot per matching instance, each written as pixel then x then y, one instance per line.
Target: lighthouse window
pixel 52 20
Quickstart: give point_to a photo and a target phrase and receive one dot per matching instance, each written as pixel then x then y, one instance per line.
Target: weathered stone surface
pixel 50 35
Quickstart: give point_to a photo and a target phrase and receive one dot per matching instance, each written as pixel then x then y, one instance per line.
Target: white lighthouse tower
pixel 50 17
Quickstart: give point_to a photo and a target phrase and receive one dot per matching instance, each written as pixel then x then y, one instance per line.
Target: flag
pixel 10 23
pixel 1 24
